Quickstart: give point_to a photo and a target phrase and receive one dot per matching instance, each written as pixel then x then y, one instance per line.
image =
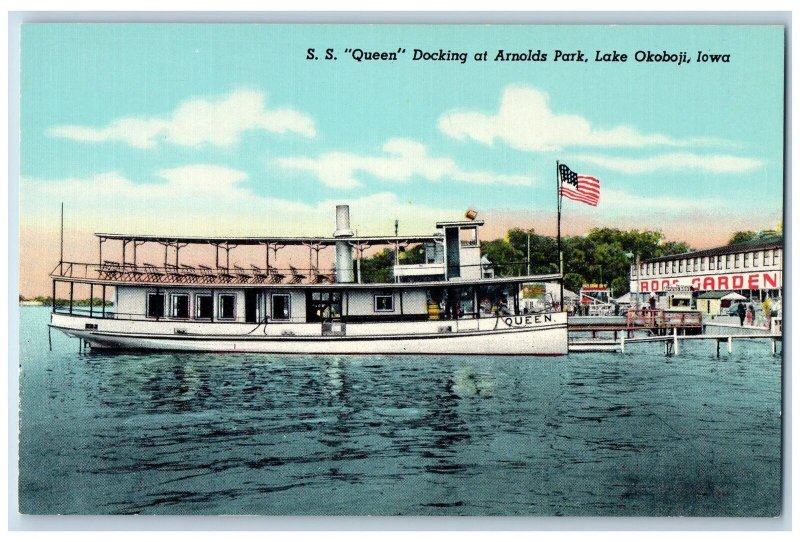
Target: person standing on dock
pixel 741 311
pixel 751 315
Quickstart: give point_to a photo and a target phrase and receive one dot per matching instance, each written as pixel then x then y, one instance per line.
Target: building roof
pixel 236 241
pixel 721 294
pixel 747 246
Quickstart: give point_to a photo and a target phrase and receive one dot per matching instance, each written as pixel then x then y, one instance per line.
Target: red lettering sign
pixel 752 282
pixel 696 283
pixel 723 282
pixel 738 282
pixel 708 283
pixel 770 280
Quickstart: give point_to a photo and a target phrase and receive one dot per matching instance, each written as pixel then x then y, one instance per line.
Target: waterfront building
pixel 753 269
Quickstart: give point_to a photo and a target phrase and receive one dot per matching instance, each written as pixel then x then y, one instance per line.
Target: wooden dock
pixel 672 343
pixel 669 328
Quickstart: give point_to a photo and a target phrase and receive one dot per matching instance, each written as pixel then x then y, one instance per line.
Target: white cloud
pixel 209 200
pixel 196 122
pixel 403 160
pixel 712 163
pixel 526 122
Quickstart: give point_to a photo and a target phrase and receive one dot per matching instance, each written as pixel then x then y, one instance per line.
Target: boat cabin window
pixel 280 307
pixel 179 306
pixel 384 303
pixel 227 307
pixel 155 305
pixel 204 306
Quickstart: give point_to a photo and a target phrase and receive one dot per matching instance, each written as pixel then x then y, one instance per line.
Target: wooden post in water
pixel 622 344
pixel 730 344
pixel 675 340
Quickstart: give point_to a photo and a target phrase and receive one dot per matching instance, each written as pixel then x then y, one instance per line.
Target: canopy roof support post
pixel 136 244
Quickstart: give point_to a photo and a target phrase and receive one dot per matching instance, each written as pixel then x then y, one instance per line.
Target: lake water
pixel 591 434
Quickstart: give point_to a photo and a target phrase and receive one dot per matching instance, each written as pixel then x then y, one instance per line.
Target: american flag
pixel 579 187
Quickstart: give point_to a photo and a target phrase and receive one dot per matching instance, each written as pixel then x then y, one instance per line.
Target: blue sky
pixel 229 129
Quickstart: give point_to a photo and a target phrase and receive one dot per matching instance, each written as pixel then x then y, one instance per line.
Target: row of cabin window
pixel 226 306
pixel 714 263
pixel 204 306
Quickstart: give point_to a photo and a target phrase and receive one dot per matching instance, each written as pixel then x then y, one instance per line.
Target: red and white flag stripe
pixel 587 191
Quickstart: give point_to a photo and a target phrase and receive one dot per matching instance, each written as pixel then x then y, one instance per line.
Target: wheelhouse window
pixel 155 305
pixel 203 307
pixel 179 306
pixel 227 307
pixel 384 303
pixel 281 309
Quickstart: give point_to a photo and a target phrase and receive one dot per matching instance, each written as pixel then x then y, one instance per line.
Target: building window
pixel 281 310
pixel 661 267
pixel 384 303
pixel 728 261
pixel 755 258
pixel 689 264
pixel 711 263
pixel 702 264
pixel 203 307
pixel 746 260
pixel 737 261
pixel 719 262
pixel 179 306
pixel 775 259
pixel 767 257
pixel 680 266
pixel 155 305
pixel 673 266
pixel 227 306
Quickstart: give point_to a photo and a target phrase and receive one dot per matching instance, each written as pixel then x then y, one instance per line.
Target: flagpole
pixel 560 255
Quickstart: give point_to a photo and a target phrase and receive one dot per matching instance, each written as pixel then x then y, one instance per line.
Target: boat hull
pixel 524 335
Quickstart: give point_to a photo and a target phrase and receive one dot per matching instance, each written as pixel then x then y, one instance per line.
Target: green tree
pixel 378 267
pixel 742 236
pixel 573 281
pixel 506 260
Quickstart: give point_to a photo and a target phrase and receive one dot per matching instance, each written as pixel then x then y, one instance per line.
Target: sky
pixel 193 129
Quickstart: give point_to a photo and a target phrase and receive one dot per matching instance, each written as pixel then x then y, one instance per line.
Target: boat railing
pixel 659 318
pixel 111 271
pixel 171 273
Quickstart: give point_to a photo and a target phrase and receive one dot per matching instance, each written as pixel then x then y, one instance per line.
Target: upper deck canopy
pixel 255 241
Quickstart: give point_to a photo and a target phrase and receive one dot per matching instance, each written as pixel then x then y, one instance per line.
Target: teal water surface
pixel 586 434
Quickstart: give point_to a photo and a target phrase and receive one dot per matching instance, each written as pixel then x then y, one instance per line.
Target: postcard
pixel 401 270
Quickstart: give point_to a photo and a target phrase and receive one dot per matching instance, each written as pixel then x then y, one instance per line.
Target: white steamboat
pixel 452 302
